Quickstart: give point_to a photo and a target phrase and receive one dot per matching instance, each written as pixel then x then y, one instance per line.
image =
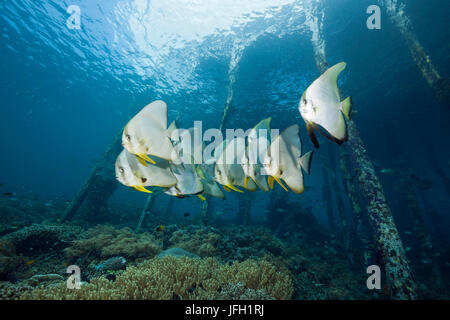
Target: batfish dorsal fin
pixel 157 111
pixel 330 76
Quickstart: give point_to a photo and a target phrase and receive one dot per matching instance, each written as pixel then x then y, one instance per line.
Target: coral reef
pixel 9 260
pixel 177 252
pixel 181 278
pixel 196 239
pixel 42 237
pixel 112 264
pixel 11 291
pixel 106 241
pixel 240 243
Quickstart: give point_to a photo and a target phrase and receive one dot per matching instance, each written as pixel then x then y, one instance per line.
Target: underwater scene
pixel 225 150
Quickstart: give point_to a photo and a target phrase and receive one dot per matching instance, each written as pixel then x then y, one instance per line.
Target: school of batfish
pixel 154 155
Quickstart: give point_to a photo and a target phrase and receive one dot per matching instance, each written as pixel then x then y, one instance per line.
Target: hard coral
pixel 40 237
pixel 106 241
pixel 9 261
pixel 199 240
pixel 181 278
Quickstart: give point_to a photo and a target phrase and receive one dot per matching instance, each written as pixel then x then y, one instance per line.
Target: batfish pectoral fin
pixel 280 183
pixel 141 161
pixel 146 158
pixel 270 180
pixel 246 182
pixel 257 183
pixel 230 186
pixel 141 189
pixel 312 135
pixel 201 197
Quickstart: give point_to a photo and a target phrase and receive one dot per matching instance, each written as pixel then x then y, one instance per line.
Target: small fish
pixel 407 232
pixel 322 109
pixel 9 194
pixel 390 171
pixel 408 249
pixel 29 262
pixel 280 210
pixel 160 228
pixel 187 214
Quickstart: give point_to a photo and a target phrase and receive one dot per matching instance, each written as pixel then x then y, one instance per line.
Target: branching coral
pixel 182 278
pixel 106 241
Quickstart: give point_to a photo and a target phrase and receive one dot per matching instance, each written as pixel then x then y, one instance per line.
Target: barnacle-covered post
pixel 437 166
pixel 148 206
pixel 169 208
pixel 408 191
pixel 315 22
pixel 396 12
pixel 362 233
pixel 326 193
pixel 422 235
pixel 244 201
pixel 205 211
pixel 100 184
pixel 243 214
pixel 389 244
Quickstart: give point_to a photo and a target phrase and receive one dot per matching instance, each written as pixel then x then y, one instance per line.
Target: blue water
pixel 67 93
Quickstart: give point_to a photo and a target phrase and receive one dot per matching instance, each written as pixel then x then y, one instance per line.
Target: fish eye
pixel 121 170
pixel 128 137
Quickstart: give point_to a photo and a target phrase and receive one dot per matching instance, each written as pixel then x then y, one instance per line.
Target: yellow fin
pixel 201 197
pixel 145 157
pixel 227 189
pixel 270 181
pixel 246 182
pixel 346 107
pixel 142 161
pixel 141 189
pixel 259 186
pixel 234 188
pixel 280 183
